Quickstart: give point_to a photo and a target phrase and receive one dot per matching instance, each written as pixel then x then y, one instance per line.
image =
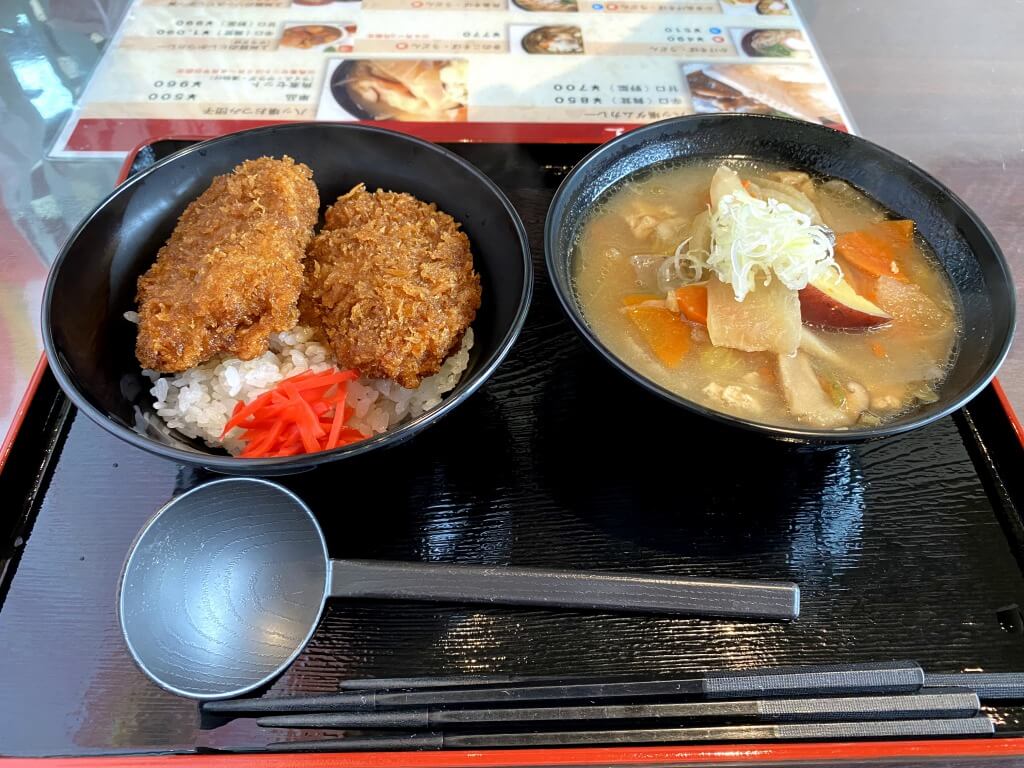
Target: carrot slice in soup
pixel 632 299
pixel 900 232
pixel 663 330
pixel 693 302
pixel 869 253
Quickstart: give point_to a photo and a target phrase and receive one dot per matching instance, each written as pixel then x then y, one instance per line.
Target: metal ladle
pixel 226 583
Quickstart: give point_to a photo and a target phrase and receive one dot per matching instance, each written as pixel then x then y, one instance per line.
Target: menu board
pixel 536 70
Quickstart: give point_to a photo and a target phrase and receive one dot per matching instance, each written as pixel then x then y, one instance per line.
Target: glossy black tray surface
pixel 904 548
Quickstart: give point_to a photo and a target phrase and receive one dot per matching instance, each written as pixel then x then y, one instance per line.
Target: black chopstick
pixel 446 682
pixel 934 704
pixel 441 681
pixel 880 729
pixel 990 686
pixel 879 677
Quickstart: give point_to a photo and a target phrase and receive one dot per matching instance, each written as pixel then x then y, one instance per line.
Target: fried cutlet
pixel 390 281
pixel 231 273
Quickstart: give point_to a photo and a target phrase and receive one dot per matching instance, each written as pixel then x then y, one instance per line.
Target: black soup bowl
pixel 966 250
pixel 91 347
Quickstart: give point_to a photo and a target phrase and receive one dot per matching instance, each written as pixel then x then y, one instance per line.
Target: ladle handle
pixel 565 589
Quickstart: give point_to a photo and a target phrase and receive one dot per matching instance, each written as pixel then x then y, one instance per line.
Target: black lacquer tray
pixel 908 547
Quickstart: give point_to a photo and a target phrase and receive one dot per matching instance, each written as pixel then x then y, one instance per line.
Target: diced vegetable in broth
pixel 911 306
pixel 793 178
pixel 663 331
pixel 725 182
pixel 787 193
pixel 833 405
pixel 691 301
pixel 767 320
pixel 870 254
pixel 699 277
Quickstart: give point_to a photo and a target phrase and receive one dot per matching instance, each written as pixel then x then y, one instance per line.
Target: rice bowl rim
pixel 467 385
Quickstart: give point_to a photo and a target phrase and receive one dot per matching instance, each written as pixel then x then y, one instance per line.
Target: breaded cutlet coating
pixel 390 281
pixel 231 273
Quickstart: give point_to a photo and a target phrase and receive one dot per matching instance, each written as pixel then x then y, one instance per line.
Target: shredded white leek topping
pixel 753 240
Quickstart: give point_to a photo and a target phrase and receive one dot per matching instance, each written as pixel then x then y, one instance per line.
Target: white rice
pixel 199 401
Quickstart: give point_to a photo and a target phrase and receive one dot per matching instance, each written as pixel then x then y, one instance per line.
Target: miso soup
pixel 765 293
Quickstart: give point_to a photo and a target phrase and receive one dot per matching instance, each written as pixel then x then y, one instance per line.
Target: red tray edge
pixel 749 753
